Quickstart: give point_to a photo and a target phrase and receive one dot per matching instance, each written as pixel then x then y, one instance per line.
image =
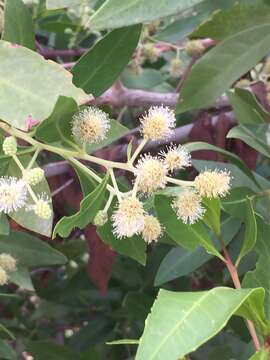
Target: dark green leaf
pixel 22 278
pixel 18 24
pixel 4 224
pixel 58 4
pixel 89 207
pixel 44 350
pixel 212 214
pixel 6 352
pixel 29 250
pixel 98 69
pixel 220 67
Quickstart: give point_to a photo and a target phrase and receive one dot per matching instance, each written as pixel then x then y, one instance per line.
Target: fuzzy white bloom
pixel 3 277
pixel 176 157
pixel 151 52
pixel 152 229
pixel 150 174
pixel 188 207
pixel 128 219
pixel 33 176
pixel 90 126
pixel 213 183
pixel 8 262
pixel 176 67
pixel 194 48
pixel 42 207
pixel 158 123
pixel 10 146
pixel 13 193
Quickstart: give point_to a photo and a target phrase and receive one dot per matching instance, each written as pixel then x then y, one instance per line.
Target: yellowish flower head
pixel 151 52
pixel 42 207
pixel 10 146
pixel 213 184
pixel 90 126
pixel 152 229
pixel 33 176
pixel 128 219
pixel 188 207
pixel 176 157
pixel 150 174
pixel 3 277
pixel 158 123
pixel 7 262
pixel 176 67
pixel 194 48
pixel 13 193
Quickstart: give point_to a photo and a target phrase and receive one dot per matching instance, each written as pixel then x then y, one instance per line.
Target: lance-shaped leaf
pixel 89 207
pixel 180 322
pixel 261 355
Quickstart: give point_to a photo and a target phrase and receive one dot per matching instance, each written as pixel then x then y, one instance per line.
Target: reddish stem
pixel 237 284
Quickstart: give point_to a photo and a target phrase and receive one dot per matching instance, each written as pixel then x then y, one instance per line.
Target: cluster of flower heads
pixel 14 192
pixel 8 264
pixel 152 173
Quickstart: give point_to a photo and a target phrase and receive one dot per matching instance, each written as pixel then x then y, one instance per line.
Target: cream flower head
pixel 158 123
pixel 176 157
pixel 213 183
pixel 188 206
pixel 128 219
pixel 90 126
pixel 13 193
pixel 152 229
pixel 150 174
pixel 8 262
pixel 3 277
pixel 42 207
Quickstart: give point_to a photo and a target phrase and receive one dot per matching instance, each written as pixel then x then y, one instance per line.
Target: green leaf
pixel 22 278
pixel 57 127
pixel 6 352
pixel 18 24
pixel 89 207
pixel 133 247
pixel 180 262
pixel 98 69
pixel 123 342
pixel 220 67
pixel 261 355
pixel 118 13
pixel 260 276
pixel 250 231
pixel 212 214
pixel 24 217
pixel 44 350
pixel 29 250
pixel 59 4
pixel 246 107
pixel 239 18
pixel 34 82
pixel 188 236
pixel 253 135
pixel 181 322
pixel 4 224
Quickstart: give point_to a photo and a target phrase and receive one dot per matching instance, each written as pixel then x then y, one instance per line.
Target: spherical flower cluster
pixel 176 67
pixel 10 146
pixel 158 123
pixel 150 174
pixel 7 265
pixel 152 229
pixel 176 157
pixel 8 262
pixel 42 207
pixel 213 184
pixel 90 126
pixel 194 48
pixel 33 176
pixel 13 194
pixel 188 207
pixel 128 219
pixel 151 52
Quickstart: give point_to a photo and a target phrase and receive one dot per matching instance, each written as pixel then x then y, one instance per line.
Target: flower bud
pixel 176 67
pixel 101 218
pixel 33 176
pixel 7 262
pixel 3 277
pixel 152 229
pixel 194 48
pixel 10 146
pixel 151 52
pixel 42 208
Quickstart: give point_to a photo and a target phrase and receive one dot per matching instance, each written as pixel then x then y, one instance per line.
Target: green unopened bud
pixel 176 67
pixel 194 48
pixel 101 218
pixel 33 176
pixel 10 146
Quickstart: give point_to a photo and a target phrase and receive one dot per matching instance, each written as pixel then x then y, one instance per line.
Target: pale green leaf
pixel 4 224
pixel 180 322
pixel 261 355
pixel 58 4
pixel 22 278
pixel 118 13
pixel 123 342
pixel 33 83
